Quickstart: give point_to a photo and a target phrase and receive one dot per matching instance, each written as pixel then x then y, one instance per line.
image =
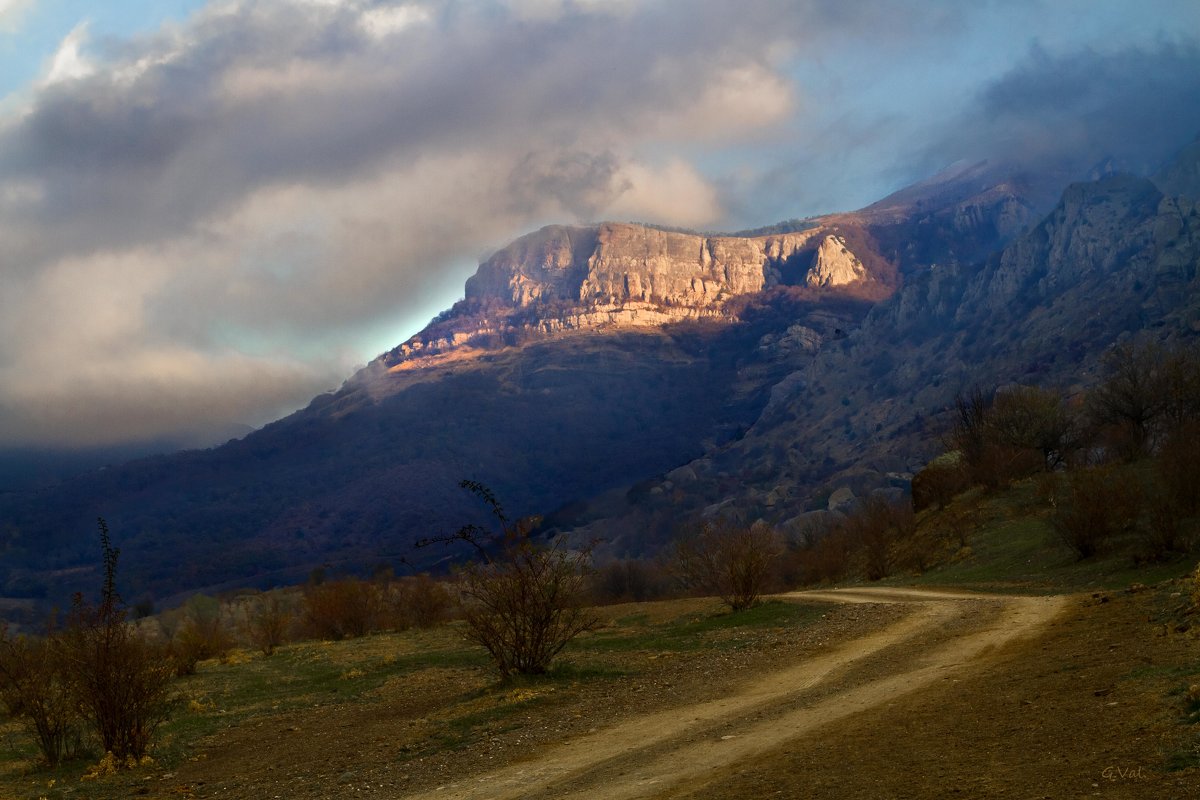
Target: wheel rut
pixel 660 754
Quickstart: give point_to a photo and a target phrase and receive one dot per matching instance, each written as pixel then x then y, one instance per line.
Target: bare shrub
pixel 522 601
pixel 1130 399
pixel 1040 429
pixel 1015 433
pixel 1090 506
pixel 1166 531
pixel 733 562
pixel 828 559
pixel 118 681
pixel 630 580
pixel 268 622
pixel 345 608
pixel 1178 468
pixel 200 636
pixel 875 529
pixel 939 483
pixel 422 602
pixel 33 689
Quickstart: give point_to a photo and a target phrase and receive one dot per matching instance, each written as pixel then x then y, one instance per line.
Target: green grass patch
pixel 1013 547
pixel 694 631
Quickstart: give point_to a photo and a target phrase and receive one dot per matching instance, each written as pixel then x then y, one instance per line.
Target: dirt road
pixel 661 754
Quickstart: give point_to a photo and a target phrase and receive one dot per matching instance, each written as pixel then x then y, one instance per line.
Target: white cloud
pixel 69 62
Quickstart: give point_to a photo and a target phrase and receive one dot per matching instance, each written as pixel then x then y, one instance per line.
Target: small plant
pixel 422 602
pixel 1091 506
pixel 201 636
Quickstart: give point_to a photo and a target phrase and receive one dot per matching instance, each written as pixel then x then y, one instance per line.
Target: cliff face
pixel 835 265
pixel 615 263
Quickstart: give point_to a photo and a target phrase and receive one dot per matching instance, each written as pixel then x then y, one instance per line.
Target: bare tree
pixel 1027 418
pixel 1130 398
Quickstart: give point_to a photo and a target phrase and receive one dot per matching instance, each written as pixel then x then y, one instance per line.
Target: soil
pixel 894 693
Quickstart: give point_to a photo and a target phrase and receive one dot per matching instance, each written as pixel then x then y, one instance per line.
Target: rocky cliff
pixel 620 275
pixel 616 263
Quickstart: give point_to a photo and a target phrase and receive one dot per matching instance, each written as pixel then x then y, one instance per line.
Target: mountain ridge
pixel 757 403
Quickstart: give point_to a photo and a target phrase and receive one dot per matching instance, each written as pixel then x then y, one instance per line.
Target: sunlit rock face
pixel 835 265
pixel 616 263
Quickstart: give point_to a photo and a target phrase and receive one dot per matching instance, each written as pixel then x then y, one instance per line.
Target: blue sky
pixel 214 211
pixel 32 30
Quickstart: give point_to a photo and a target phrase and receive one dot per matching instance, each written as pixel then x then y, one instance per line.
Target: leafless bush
pixel 421 602
pixel 33 689
pixel 939 483
pixel 340 609
pixel 731 561
pixel 118 681
pixel 630 580
pixel 1178 468
pixel 200 636
pixel 522 601
pixel 1011 435
pixel 1166 529
pixel 268 622
pixel 1090 506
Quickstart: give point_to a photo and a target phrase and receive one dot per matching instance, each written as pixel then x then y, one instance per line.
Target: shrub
pixel 268 622
pixel 730 561
pixel 422 602
pixel 1090 506
pixel 345 608
pixel 1178 468
pixel 939 483
pixel 630 580
pixel 522 601
pixel 118 681
pixel 200 636
pixel 33 689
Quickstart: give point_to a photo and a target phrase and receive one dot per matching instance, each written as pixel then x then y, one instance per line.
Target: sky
pixel 212 211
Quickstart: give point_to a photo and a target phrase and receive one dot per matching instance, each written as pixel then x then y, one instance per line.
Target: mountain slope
pixel 1116 257
pixel 559 382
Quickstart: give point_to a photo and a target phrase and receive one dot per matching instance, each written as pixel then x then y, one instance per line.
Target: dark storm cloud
pixel 1067 113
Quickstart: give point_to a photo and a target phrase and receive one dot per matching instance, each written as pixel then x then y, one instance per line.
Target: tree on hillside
pixel 1033 420
pixel 1130 398
pixel 523 601
pixel 1012 434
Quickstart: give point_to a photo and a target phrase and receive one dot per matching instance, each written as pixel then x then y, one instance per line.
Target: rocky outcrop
pixel 617 263
pixel 835 265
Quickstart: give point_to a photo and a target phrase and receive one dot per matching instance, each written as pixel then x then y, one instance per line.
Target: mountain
pixel 622 379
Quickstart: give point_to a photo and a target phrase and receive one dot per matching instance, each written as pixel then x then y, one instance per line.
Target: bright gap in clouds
pixel 33 33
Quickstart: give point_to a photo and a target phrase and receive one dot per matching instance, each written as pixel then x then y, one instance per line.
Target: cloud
pixel 1064 113
pixel 68 62
pixel 211 221
pixel 263 186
